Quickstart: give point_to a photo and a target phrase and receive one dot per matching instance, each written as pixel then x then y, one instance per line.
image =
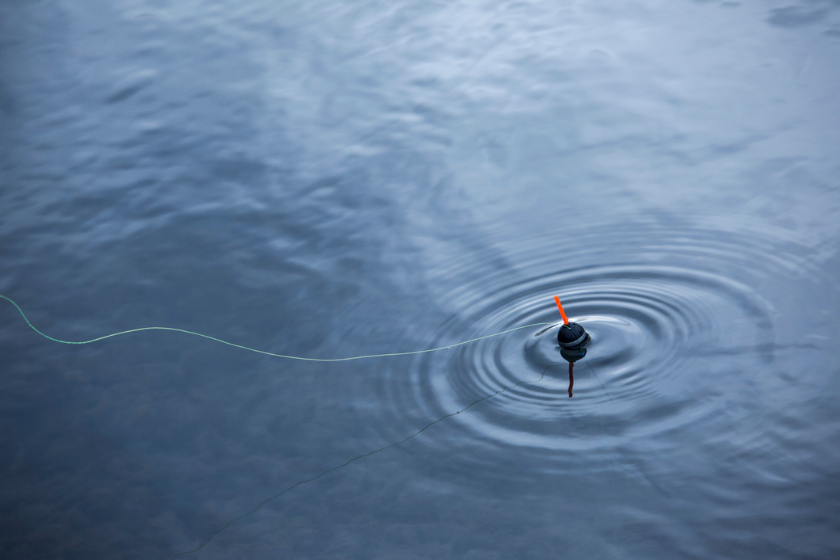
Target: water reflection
pixel 335 178
pixel 572 356
pixel 571 378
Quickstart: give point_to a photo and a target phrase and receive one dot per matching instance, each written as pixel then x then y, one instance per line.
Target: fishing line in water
pixel 285 356
pixel 599 381
pixel 362 456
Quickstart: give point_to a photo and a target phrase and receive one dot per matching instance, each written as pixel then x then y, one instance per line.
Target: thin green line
pixel 263 351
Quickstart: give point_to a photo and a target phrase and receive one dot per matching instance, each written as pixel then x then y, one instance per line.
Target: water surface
pixel 333 179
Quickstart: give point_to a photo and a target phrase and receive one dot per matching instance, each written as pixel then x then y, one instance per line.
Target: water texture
pixel 338 179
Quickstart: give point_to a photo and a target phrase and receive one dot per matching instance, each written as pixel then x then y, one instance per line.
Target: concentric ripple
pixel 645 323
pixel 669 341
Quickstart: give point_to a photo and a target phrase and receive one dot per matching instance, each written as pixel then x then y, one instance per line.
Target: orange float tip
pixel 560 307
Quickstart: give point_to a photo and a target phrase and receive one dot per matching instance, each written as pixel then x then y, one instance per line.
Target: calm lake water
pixel 334 179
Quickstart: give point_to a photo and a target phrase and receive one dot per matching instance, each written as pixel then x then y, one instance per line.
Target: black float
pixel 572 337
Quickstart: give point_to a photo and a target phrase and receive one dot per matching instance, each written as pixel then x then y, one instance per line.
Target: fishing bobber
pixel 571 336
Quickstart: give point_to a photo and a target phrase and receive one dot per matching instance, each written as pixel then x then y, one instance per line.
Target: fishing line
pixel 599 382
pixel 612 469
pixel 263 351
pixel 356 458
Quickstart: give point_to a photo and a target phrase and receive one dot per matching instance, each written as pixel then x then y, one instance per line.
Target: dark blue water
pixel 332 179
